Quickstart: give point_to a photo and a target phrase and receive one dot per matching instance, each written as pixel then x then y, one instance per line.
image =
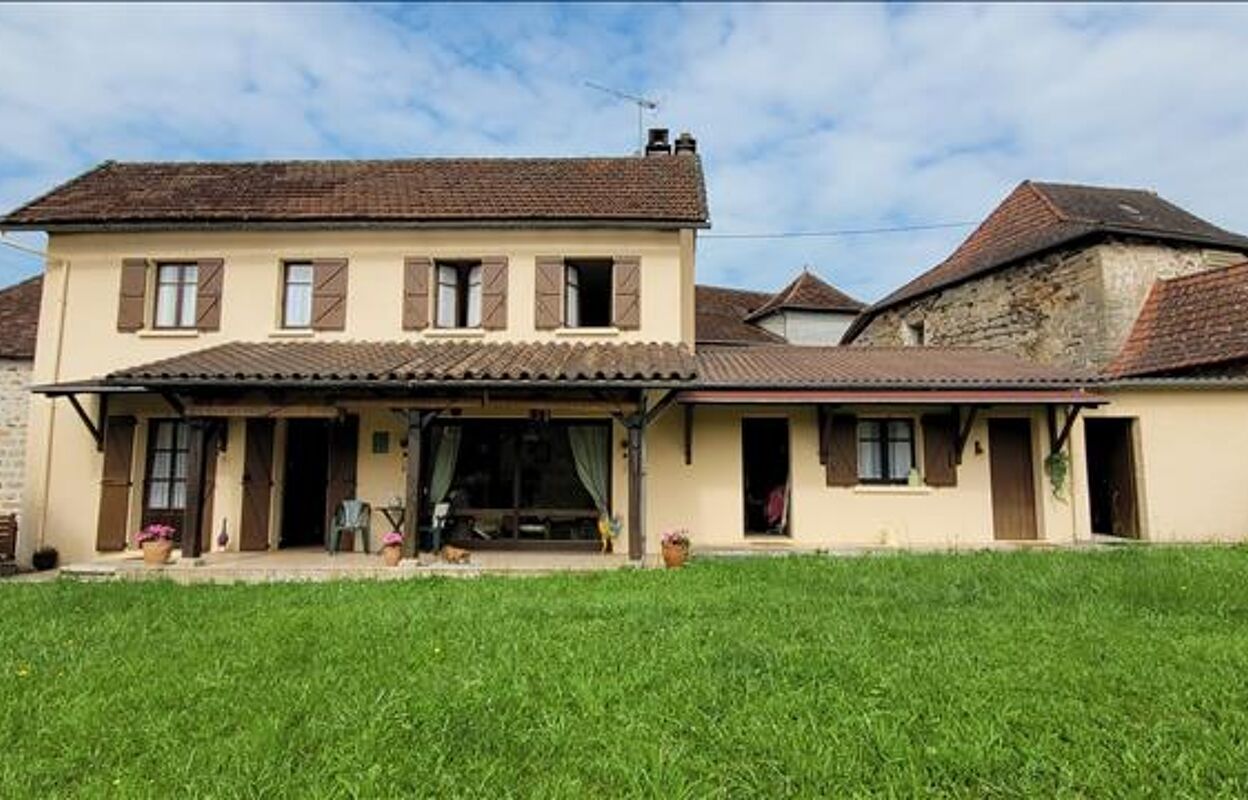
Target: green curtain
pixel 444 458
pixel 591 446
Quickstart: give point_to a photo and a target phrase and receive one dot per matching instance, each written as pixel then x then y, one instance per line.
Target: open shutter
pixel 253 529
pixel 133 295
pixel 208 294
pixel 329 294
pixel 344 438
pixel 494 293
pixel 115 483
pixel 842 463
pixel 416 270
pixel 627 276
pixel 939 458
pixel 549 299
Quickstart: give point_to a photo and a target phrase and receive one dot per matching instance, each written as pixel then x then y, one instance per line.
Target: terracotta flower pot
pixel 157 552
pixel 392 554
pixel 675 555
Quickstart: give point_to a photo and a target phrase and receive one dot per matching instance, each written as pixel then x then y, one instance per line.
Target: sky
pixel 809 118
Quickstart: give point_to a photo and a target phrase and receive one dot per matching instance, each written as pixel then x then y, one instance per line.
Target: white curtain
pixel 590 452
pixel 444 458
pixel 572 298
pixel 474 297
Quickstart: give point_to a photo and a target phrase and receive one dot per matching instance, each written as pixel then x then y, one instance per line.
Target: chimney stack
pixel 658 144
pixel 685 143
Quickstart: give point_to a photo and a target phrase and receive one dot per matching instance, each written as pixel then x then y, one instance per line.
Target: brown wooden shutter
pixel 416 274
pixel 494 293
pixel 549 300
pixel 823 420
pixel 939 437
pixel 213 442
pixel 329 294
pixel 253 531
pixel 115 484
pixel 627 275
pixel 208 294
pixel 842 450
pixel 344 438
pixel 132 300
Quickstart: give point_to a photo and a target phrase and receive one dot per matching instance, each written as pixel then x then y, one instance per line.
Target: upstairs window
pixel 175 295
pixel 297 295
pixel 587 294
pixel 914 334
pixel 885 450
pixel 459 294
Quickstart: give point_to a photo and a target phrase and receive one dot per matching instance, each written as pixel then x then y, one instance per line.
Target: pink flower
pixel 154 533
pixel 392 538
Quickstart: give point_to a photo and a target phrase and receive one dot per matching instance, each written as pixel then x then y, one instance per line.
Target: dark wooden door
pixel 257 485
pixel 1013 479
pixel 344 437
pixel 115 484
pixel 1109 445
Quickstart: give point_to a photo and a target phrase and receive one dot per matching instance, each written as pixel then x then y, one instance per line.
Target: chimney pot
pixel 685 143
pixel 657 143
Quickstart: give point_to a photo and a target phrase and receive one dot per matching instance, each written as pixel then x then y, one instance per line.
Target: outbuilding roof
pixel 721 316
pixel 808 292
pixel 661 190
pixel 19 318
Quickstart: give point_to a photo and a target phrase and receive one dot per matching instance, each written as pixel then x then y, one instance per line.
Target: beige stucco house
pixel 491 353
pixel 1139 292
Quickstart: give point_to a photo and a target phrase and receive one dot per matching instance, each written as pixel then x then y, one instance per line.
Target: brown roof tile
pixel 1038 217
pixel 19 318
pixel 1188 324
pixel 809 292
pixel 666 190
pixel 370 363
pixel 721 315
pixel 801 366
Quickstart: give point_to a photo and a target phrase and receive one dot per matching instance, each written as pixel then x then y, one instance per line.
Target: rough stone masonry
pixel 14 400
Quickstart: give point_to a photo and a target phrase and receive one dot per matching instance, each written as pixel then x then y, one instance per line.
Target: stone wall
pixel 1072 307
pixel 14 399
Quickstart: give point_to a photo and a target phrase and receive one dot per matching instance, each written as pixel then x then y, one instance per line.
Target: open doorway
pixel 306 480
pixel 1111 476
pixel 765 471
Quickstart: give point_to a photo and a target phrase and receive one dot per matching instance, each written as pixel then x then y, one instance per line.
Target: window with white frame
pixel 885 450
pixel 458 303
pixel 176 285
pixel 297 294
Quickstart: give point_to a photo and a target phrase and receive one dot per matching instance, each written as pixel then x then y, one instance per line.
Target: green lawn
pixel 1090 673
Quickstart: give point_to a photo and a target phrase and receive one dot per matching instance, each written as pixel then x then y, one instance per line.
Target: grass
pixel 1119 673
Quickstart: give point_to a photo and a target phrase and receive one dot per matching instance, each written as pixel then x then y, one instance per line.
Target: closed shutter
pixel 208 294
pixel 115 484
pixel 344 438
pixel 131 302
pixel 494 293
pixel 842 466
pixel 416 270
pixel 253 531
pixel 329 294
pixel 549 299
pixel 212 441
pixel 939 444
pixel 627 276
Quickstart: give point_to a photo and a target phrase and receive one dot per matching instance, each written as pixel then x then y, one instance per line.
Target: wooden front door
pixel 257 485
pixel 1013 479
pixel 115 483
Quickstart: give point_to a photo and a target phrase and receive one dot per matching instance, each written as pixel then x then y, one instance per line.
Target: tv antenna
pixel 643 104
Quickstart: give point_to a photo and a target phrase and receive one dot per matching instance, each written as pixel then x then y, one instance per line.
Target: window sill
pixel 292 333
pixel 896 489
pixel 455 333
pixel 169 333
pixel 588 332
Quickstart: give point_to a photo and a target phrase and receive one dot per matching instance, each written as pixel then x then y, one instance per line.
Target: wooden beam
pixel 1057 439
pixel 964 431
pixel 636 482
pixel 276 412
pixel 96 430
pixel 689 433
pixel 411 522
pixel 658 408
pixel 201 434
pixel 175 403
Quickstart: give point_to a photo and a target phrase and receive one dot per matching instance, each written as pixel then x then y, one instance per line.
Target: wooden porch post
pixel 200 432
pixel 636 426
pixel 411 522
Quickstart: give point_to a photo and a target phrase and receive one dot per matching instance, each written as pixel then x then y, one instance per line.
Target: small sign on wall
pixel 381 442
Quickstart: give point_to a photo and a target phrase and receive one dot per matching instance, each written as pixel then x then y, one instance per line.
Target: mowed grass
pixel 1120 673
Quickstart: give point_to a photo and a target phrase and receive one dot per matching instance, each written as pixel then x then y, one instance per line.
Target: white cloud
pixel 810 117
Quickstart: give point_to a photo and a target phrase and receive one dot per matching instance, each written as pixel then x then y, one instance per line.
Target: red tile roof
pixel 19 318
pixel 1188 324
pixel 800 366
pixel 809 292
pixel 1038 217
pixel 659 190
pixel 721 315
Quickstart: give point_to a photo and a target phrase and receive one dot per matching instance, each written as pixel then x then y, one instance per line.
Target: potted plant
pixel 157 543
pixel 392 548
pixel 45 558
pixel 675 548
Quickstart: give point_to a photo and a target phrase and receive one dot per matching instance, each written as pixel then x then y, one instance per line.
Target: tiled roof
pixel 19 318
pixel 794 366
pixel 665 190
pixel 721 315
pixel 371 363
pixel 1038 217
pixel 808 292
pixel 1188 324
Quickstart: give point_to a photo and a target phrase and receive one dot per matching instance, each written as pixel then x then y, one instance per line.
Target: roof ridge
pixel 1036 188
pixel 393 160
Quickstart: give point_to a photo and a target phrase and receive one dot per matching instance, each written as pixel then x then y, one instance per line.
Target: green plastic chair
pixel 351 515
